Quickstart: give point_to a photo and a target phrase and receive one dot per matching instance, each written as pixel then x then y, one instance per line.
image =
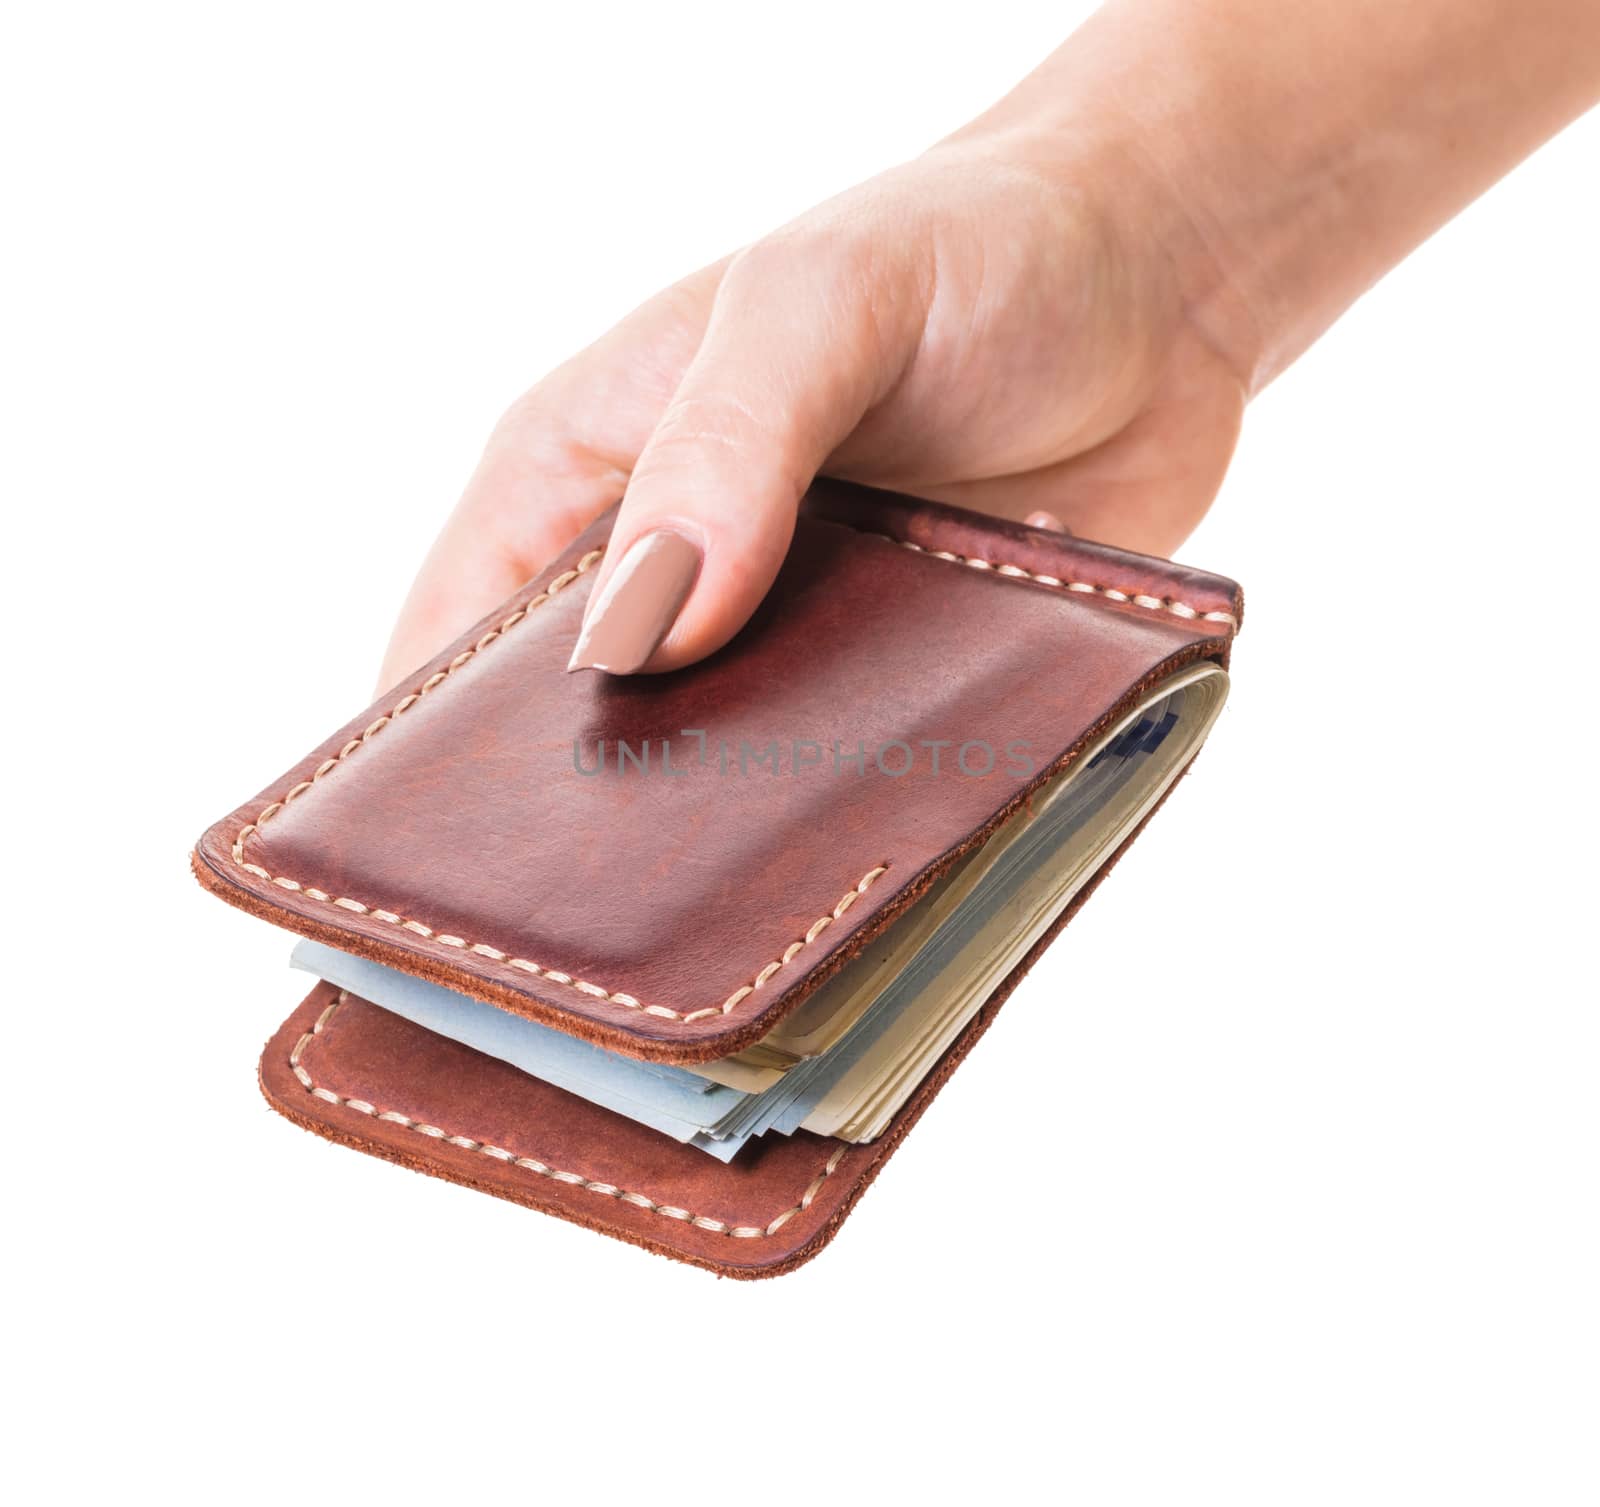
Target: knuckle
pixel 535 433
pixel 822 255
pixel 698 435
pixel 835 271
pixel 758 273
pixel 523 418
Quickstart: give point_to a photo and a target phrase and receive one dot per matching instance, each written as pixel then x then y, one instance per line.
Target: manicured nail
pixel 638 604
pixel 1042 519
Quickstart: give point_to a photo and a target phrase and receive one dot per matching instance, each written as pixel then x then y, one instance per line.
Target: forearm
pixel 1299 151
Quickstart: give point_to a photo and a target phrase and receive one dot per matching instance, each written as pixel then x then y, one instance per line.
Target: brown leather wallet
pixel 676 916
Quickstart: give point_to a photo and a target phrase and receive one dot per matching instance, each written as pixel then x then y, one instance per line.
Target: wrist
pixel 1171 258
pixel 1217 295
pixel 1283 161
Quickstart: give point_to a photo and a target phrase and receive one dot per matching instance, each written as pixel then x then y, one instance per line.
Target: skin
pixel 1062 309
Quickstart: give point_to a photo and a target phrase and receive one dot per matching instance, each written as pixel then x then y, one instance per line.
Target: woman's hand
pixel 978 326
pixel 1062 308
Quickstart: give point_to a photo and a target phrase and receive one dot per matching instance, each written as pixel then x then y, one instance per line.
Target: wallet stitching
pixel 559 977
pixel 483 949
pixel 1111 593
pixel 566 980
pixel 542 1169
pixel 377 725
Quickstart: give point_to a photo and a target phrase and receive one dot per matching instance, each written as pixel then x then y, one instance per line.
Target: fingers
pixel 485 552
pixel 1041 519
pixel 802 339
pixel 558 459
pixel 1144 489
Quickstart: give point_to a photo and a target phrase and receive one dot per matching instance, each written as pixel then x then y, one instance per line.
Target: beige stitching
pixel 534 1165
pixel 583 986
pixel 377 725
pixel 566 980
pixel 1110 593
pixel 484 949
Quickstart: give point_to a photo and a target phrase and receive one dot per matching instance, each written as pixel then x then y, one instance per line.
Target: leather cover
pixel 449 832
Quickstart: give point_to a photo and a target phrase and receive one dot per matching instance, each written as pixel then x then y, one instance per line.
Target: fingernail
pixel 1042 519
pixel 638 604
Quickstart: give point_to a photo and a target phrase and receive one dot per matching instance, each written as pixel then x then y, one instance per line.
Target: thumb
pixel 792 357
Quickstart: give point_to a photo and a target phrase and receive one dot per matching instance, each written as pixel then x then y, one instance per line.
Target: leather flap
pixel 667 864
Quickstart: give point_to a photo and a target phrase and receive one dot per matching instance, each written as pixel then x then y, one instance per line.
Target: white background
pixel 1276 1181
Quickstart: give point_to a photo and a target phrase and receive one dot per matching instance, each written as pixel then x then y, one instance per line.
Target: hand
pixel 973 327
pixel 1063 308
